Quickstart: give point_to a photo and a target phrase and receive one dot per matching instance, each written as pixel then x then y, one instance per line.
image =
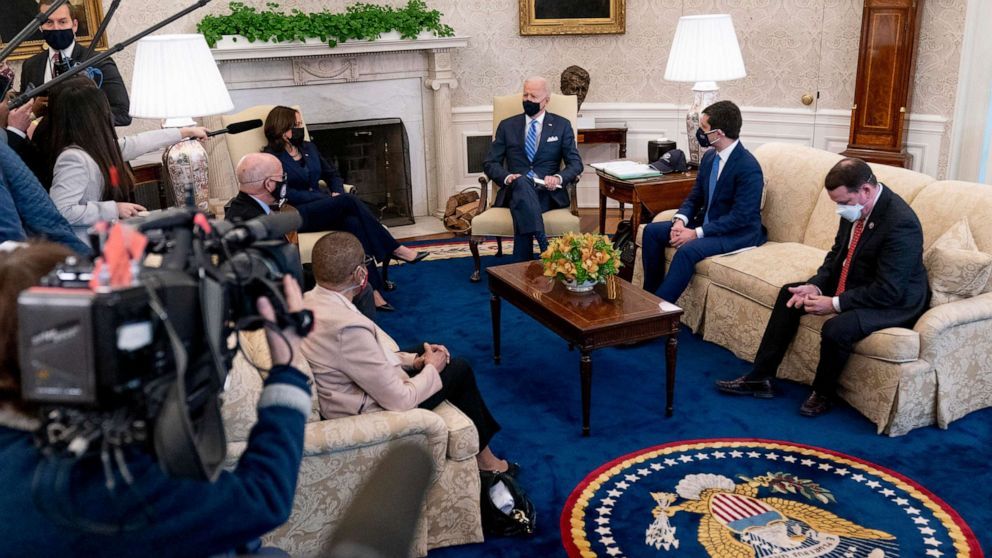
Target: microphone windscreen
pixel 381 520
pixel 238 127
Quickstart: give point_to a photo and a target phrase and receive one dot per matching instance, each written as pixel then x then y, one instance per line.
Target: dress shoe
pixel 417 258
pixel 746 386
pixel 512 469
pixel 815 405
pixel 387 307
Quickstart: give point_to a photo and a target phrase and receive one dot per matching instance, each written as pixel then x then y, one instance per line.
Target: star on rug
pixel 744 498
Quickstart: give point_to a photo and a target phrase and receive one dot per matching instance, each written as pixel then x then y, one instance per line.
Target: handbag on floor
pixel 506 509
pixel 623 241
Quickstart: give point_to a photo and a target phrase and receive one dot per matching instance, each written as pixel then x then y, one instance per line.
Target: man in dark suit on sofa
pixel 721 213
pixel 529 149
pixel 872 278
pixel 59 32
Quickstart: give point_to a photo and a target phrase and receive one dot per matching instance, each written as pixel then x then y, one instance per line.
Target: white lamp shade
pixel 176 76
pixel 705 48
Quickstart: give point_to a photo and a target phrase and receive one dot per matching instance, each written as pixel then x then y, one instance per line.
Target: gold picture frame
pixel 572 17
pixel 89 13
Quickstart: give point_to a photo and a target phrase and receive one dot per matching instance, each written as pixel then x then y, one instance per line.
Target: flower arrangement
pixel 581 258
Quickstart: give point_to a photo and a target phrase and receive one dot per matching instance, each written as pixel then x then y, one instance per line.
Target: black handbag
pixel 623 242
pixel 519 517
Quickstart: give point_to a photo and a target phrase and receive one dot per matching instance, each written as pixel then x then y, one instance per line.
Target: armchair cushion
pixel 496 221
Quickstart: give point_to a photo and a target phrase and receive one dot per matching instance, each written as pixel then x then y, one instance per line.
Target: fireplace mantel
pixel 336 84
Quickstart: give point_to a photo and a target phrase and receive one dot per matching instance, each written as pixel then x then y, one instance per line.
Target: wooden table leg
pixel 585 372
pixel 671 349
pixel 494 305
pixel 602 208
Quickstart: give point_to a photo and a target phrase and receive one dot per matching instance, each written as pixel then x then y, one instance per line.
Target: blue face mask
pixel 703 137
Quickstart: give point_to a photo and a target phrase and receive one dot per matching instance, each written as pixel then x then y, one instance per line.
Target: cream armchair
pixel 340 454
pixel 496 221
pixel 252 141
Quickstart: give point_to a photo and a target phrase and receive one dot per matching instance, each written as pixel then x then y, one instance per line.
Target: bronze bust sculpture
pixel 575 81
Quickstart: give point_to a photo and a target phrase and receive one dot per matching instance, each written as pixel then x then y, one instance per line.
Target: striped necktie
pixel 531 144
pixel 711 187
pixel 859 227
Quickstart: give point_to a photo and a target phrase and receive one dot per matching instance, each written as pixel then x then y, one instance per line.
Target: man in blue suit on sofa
pixel 721 213
pixel 529 149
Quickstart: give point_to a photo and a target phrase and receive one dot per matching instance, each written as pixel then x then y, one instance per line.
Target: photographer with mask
pixel 153 513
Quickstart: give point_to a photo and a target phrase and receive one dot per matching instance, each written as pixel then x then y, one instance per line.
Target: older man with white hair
pixel 533 156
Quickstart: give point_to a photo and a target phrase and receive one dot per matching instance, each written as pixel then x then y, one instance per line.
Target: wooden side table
pixel 604 135
pixel 655 194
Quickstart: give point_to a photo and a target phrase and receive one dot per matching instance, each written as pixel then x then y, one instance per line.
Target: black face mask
pixel 279 193
pixel 702 138
pixel 59 39
pixel 297 137
pixel 531 108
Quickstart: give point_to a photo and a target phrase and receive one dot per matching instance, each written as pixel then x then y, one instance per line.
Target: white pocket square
pixel 552 138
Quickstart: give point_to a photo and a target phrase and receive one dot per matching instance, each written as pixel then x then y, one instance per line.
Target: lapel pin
pixel 871 225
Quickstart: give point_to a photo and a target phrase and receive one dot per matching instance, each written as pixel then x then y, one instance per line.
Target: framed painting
pixel 572 17
pixel 89 13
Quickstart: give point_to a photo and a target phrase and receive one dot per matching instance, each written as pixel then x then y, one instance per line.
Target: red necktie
pixel 855 237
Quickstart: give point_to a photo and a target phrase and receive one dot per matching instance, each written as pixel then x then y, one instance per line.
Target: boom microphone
pixel 237 128
pixel 267 227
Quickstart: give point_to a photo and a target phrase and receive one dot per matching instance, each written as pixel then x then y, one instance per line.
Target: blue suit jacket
pixel 302 182
pixel 736 207
pixel 26 209
pixel 557 146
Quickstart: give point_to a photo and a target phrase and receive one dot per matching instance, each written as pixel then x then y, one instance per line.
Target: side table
pixel 604 135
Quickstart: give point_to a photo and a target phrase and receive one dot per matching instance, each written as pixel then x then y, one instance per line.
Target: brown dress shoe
pixel 746 386
pixel 815 405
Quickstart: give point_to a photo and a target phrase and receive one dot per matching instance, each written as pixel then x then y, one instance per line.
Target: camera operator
pixel 159 515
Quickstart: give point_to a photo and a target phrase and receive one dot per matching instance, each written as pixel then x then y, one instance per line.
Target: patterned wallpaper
pixel 790 47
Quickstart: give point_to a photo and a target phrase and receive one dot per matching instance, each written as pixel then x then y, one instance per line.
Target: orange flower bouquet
pixel 580 260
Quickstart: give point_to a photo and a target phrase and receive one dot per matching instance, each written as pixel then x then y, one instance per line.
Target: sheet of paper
pixel 541 182
pixel 667 306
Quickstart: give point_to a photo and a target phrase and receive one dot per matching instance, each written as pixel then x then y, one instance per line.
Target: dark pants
pixel 671 285
pixel 348 213
pixel 837 339
pixel 528 202
pixel 458 387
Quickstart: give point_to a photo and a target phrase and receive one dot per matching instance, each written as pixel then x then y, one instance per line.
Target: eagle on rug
pixel 737 523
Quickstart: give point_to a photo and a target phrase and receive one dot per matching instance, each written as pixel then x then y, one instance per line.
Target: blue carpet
pixel 535 395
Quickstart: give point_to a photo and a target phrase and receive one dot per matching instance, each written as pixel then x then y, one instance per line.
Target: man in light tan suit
pixel 356 371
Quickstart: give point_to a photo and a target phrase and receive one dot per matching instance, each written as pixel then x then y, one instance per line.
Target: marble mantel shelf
pixel 244 50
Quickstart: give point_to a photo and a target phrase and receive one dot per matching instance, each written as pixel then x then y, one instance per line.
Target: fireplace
pixel 374 157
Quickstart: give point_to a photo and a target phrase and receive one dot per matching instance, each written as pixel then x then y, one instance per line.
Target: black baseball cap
pixel 672 161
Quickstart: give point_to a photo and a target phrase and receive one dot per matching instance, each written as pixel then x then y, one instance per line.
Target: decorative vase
pixel 580 288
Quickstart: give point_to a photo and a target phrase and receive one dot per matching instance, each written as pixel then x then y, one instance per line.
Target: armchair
pixel 252 141
pixel 496 221
pixel 340 454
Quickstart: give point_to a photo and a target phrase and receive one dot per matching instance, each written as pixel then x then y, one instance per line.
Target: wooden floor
pixel 588 222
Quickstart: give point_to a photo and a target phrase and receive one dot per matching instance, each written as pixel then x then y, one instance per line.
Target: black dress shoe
pixel 417 258
pixel 746 386
pixel 387 307
pixel 815 405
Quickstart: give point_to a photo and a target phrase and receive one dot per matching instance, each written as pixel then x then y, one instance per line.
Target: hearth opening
pixel 374 156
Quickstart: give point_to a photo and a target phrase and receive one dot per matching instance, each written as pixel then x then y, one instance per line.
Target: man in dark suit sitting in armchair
pixel 261 185
pixel 526 160
pixel 872 278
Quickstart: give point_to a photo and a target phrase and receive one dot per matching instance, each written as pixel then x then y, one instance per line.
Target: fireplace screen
pixel 373 156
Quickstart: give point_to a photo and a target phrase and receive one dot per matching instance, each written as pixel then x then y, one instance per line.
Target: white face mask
pixel 850 212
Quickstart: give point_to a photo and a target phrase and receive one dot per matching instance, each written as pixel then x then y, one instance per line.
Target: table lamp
pixel 704 51
pixel 176 78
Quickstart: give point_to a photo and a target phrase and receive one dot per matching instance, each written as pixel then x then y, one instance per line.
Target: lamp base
pixel 185 165
pixel 704 94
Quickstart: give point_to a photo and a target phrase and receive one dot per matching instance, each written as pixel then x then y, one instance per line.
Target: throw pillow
pixel 956 268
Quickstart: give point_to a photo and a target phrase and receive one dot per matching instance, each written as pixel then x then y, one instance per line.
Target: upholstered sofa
pixel 900 379
pixel 340 454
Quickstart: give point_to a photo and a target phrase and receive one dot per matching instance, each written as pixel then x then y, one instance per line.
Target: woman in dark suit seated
pixel 322 211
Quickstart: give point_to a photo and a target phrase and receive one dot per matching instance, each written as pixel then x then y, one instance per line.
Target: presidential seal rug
pixel 751 498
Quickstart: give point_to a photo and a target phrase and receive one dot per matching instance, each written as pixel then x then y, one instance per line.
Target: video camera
pixel 145 363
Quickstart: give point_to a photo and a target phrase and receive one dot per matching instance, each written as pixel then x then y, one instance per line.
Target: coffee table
pixel 588 321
